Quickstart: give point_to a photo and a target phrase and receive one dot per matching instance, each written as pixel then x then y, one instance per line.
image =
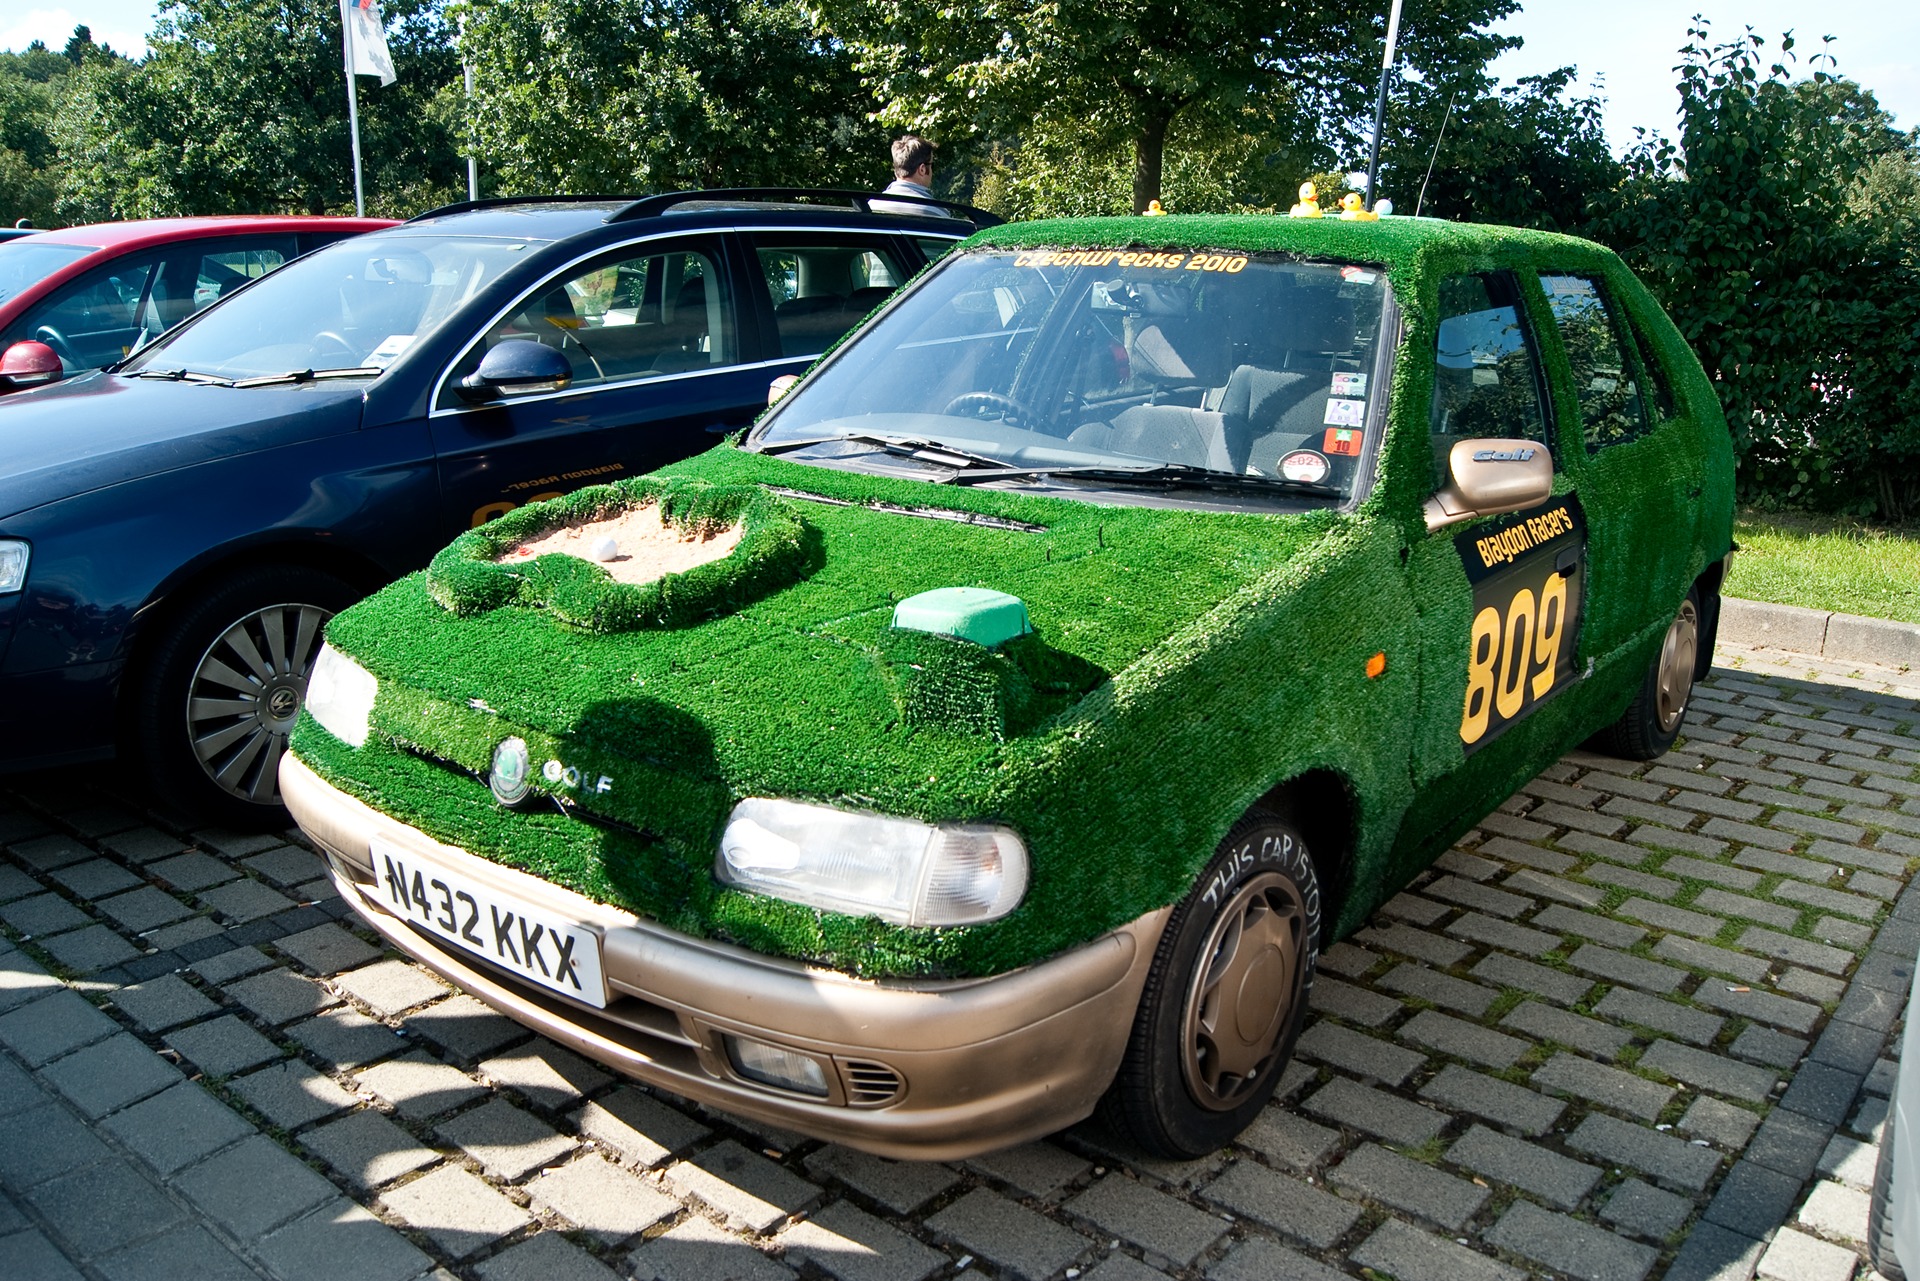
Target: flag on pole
pixel 366 36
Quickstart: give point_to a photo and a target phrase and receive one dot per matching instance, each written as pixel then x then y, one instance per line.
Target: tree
pixel 634 95
pixel 1104 75
pixel 240 106
pixel 33 82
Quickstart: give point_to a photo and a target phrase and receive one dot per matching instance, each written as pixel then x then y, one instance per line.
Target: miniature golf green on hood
pixel 1183 662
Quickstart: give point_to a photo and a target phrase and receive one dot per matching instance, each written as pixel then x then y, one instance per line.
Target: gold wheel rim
pixel 1241 1001
pixel 1678 653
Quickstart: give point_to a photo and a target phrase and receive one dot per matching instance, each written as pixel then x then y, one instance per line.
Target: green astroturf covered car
pixel 998 731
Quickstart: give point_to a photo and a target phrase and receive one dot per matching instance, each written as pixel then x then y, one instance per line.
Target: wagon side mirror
pixel 1487 477
pixel 517 367
pixel 28 364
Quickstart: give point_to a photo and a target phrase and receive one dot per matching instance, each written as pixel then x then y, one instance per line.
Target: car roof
pixel 143 232
pixel 558 218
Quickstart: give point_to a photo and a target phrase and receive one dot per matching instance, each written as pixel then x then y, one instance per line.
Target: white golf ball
pixel 606 549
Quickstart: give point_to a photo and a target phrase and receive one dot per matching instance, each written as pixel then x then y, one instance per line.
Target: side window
pixel 1486 380
pixel 195 277
pixel 1656 377
pixel 621 318
pixel 935 247
pixel 1606 376
pixel 93 321
pixel 820 290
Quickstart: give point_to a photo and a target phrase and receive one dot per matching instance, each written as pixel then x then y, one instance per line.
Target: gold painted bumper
pixel 931 1070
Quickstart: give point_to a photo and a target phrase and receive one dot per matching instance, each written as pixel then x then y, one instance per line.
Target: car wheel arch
pixel 1322 805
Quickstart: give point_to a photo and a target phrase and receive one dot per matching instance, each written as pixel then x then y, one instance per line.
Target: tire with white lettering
pixel 1653 719
pixel 1226 997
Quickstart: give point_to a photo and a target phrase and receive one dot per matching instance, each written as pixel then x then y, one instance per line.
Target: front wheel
pixel 1652 720
pixel 1225 999
pixel 223 688
pixel 1879 1209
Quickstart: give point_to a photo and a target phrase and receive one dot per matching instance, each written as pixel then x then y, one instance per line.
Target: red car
pixel 94 294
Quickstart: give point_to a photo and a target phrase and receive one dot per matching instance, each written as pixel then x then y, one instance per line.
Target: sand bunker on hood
pixel 647 547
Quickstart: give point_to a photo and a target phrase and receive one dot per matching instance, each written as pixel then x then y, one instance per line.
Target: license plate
pixel 532 943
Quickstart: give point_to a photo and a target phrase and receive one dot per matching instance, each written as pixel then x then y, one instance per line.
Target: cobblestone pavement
pixel 1633 1026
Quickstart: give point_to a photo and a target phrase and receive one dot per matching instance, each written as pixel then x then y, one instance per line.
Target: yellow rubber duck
pixel 1350 210
pixel 1308 206
pixel 1154 210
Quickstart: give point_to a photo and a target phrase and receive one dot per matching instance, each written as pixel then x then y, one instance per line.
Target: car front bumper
pixel 931 1070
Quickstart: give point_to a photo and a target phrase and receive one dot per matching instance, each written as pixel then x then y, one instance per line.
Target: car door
pixel 812 287
pixel 94 319
pixel 659 372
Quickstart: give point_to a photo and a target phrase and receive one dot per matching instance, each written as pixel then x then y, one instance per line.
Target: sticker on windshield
pixel 1341 440
pixel 1358 275
pixel 389 350
pixel 1232 264
pixel 1349 384
pixel 1345 413
pixel 1305 465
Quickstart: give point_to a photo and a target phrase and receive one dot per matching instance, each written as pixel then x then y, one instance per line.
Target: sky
pixel 1627 46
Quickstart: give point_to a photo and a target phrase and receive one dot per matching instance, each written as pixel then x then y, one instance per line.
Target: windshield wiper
pixel 185 376
pixel 931 451
pixel 1169 474
pixel 295 376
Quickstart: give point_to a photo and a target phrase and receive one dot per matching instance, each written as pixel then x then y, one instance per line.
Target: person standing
pixel 912 176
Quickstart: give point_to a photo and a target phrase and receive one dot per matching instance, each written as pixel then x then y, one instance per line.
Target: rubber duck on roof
pixel 1154 210
pixel 1351 211
pixel 1308 206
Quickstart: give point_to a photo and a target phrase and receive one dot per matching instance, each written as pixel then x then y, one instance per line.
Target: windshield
pixel 358 303
pixel 24 263
pixel 1231 365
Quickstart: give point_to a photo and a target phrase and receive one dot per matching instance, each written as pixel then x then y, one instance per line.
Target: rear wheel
pixel 1879 1221
pixel 1653 719
pixel 1225 999
pixel 224 686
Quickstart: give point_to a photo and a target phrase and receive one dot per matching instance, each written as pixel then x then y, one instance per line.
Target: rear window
pixel 26 262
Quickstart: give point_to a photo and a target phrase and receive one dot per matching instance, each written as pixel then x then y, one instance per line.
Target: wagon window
pixel 1486 379
pixel 1606 371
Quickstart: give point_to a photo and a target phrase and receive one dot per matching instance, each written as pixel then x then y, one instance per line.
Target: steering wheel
pixel 968 404
pixel 61 347
pixel 330 336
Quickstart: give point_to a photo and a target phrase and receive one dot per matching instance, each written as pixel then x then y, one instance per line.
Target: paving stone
pixel 1696 955
pixel 1886 864
pixel 244 900
pixel 1528 881
pixel 16 884
pixel 1753 1200
pixel 1601 847
pixel 850 1245
pixel 43 915
pixel 1501 1102
pixel 460 1212
pixel 1848 1046
pixel 1498 933
pixel 1789 1143
pixel 1481 898
pixel 346 1038
pixel 545 1075
pixel 1411 979
pixel 50 852
pixel 645 1132
pixel 1880 1080
pixel 1608 1087
pixel 18 1091
pixel 1576 1248
pixel 1639 882
pixel 1408 1254
pixel 1799 1016
pixel 1284 1204
pixel 162 1003
pixel 95 878
pixel 55 1025
pixel 1286 1138
pixel 1664 916
pixel 1622 967
pixel 1419 1190
pixel 390 987
pixel 1713 1253
pixel 1601 929
pixel 223 1046
pixel 177 1127
pixel 281 996
pixel 547 1257
pixel 253 1187
pixel 697 1250
pixel 110 1074
pixel 1037 1169
pixel 1548 1175
pixel 1764 1045
pixel 508 1142
pixel 104 1207
pixel 1752 909
pixel 470 1028
pixel 327 949
pixel 742 1187
pixel 1512 825
pixel 1009 1235
pixel 1418 944
pixel 1822 1092
pixel 419 1085
pixel 1884 888
pixel 1798 951
pixel 601 1199
pixel 1533 856
pixel 1685 1022
pixel 1849 1161
pixel 235 844
pixel 1462 1040
pixel 142 844
pixel 1168 1230
pixel 1847 934
pixel 1836 1211
pixel 1363 1108
pixel 1871 1006
pixel 1355 1052
pixel 1672 1161
pixel 901 1186
pixel 1707 1071
pixel 40 1143
pixel 1869 1119
pixel 1555 985
pixel 89 950
pixel 186 1251
pixel 1345 958
pixel 1354 1004
pixel 367 1149
pixel 288 864
pixel 1581 1033
pixel 193 872
pixel 1795 1256
pixel 1644 1209
pixel 290 1094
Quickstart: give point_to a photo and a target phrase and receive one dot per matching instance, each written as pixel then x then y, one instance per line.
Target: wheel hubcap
pixel 245 696
pixel 1241 1001
pixel 1677 656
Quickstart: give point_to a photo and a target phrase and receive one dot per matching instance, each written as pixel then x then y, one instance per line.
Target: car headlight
pixel 897 869
pixel 340 695
pixel 13 565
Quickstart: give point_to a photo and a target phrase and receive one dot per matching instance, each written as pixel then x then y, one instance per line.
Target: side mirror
pixel 28 364
pixel 1487 477
pixel 781 386
pixel 517 367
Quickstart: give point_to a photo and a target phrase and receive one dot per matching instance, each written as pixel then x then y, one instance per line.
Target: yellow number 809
pixel 1501 650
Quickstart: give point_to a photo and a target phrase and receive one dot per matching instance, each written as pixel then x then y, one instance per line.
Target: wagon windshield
pixel 1209 365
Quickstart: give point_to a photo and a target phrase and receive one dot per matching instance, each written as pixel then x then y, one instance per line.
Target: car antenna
pixel 1436 154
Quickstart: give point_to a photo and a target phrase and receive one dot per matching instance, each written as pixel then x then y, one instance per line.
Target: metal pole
pixel 353 113
pixel 1380 101
pixel 473 161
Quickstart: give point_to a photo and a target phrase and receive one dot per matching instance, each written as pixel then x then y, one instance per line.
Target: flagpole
pixel 1380 102
pixel 353 112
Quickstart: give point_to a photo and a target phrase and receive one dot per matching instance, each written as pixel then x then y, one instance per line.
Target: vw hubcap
pixel 245 695
pixel 1677 656
pixel 1242 997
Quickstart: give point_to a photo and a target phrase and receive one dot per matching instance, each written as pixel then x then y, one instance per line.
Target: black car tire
pixel 1879 1222
pixel 1198 1068
pixel 206 744
pixel 1659 708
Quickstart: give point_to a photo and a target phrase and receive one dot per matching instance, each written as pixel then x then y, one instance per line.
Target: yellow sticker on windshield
pixel 1153 260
